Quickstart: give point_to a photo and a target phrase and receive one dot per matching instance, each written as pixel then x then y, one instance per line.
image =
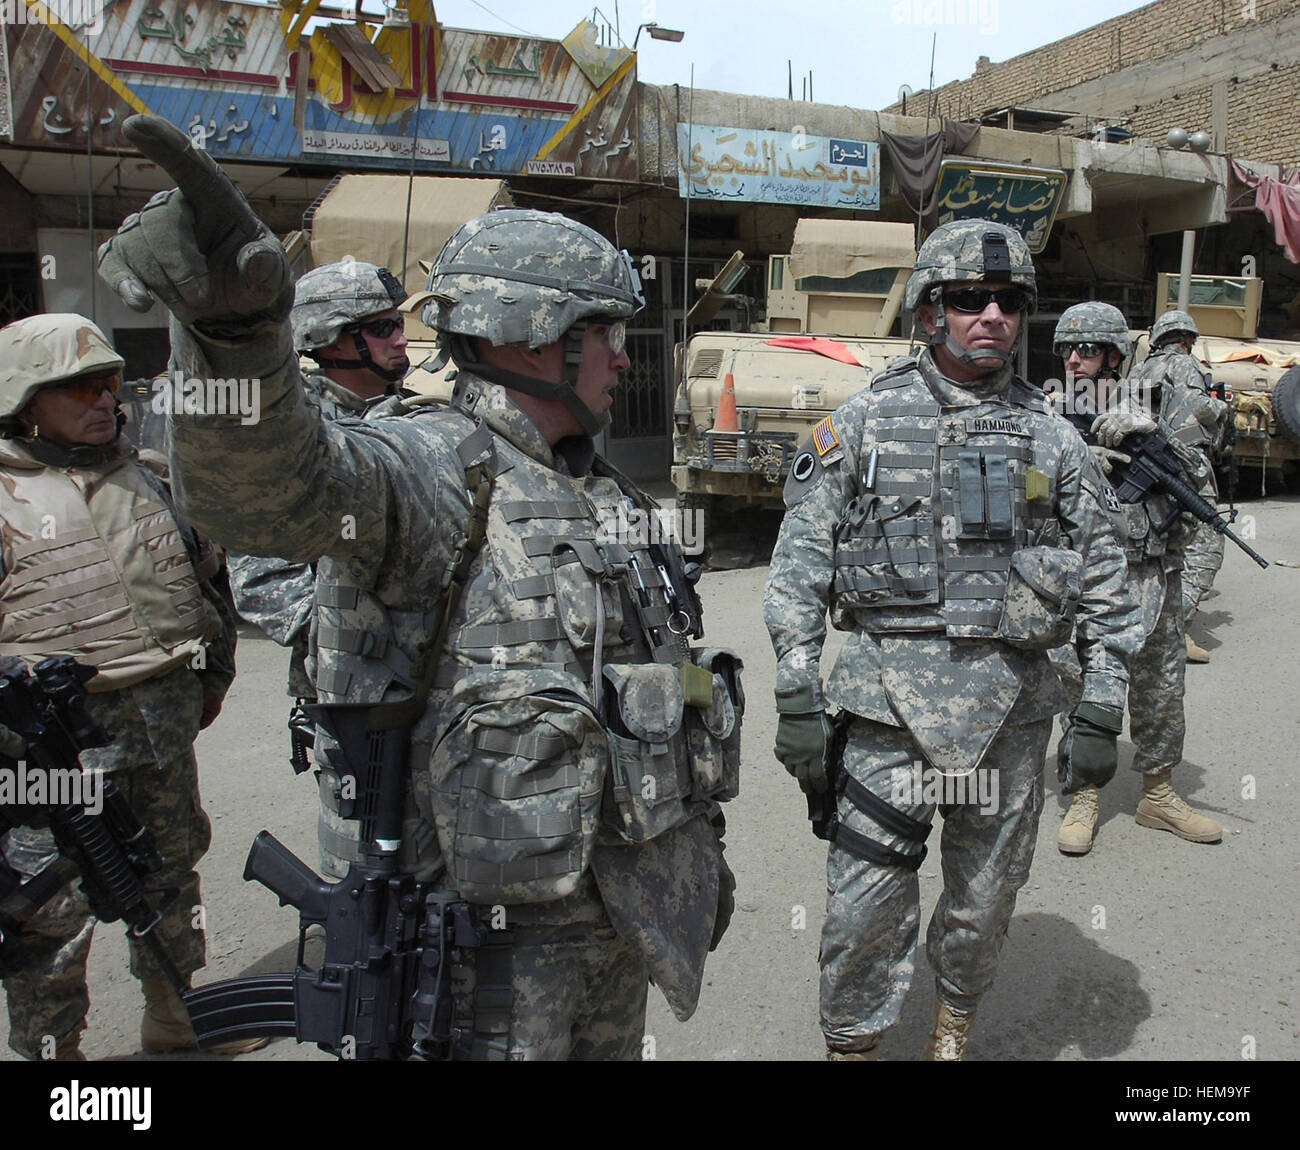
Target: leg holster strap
pixel 875 808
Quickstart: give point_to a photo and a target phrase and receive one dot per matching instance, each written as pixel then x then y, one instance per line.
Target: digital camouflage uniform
pixel 600 884
pixel 1157 724
pixel 150 702
pixel 1198 420
pixel 277 596
pixel 903 512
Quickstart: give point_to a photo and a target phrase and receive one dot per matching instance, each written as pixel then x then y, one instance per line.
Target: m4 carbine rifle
pixel 109 848
pixel 1154 467
pixel 382 989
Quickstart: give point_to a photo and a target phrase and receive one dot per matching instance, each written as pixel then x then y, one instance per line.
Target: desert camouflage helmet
pixel 1172 323
pixel 971 250
pixel 46 349
pixel 331 297
pixel 526 277
pixel 1092 322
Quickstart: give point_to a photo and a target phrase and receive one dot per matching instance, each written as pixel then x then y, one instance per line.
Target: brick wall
pixel 1262 119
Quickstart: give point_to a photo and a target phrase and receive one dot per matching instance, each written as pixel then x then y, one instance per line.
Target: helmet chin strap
pixel 364 359
pixel 564 389
pixel 980 356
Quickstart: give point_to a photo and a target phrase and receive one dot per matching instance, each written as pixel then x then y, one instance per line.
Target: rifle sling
pixel 480 478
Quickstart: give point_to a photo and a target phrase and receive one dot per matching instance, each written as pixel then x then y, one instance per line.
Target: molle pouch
pixel 885 554
pixel 516 791
pixel 1042 597
pixel 713 717
pixel 587 601
pixel 649 778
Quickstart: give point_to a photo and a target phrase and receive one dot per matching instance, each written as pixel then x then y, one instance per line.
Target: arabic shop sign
pixel 1020 197
pixel 752 166
pixel 373 145
pixel 156 24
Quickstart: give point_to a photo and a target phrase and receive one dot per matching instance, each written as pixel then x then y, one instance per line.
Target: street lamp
pixel 658 33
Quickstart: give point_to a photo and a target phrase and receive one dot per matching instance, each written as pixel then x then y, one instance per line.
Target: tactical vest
pixel 564 702
pixel 96 567
pixel 927 546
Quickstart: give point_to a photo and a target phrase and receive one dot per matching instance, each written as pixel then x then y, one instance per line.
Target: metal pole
pixel 1185 270
pixel 90 184
pixel 410 179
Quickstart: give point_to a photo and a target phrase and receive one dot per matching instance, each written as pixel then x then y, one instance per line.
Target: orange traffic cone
pixel 726 419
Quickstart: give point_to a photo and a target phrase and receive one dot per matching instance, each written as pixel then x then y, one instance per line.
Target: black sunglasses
pixel 973 300
pixel 379 328
pixel 1085 350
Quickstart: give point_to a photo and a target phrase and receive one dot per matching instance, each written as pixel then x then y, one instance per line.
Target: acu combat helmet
pixel 333 298
pixel 47 349
pixel 970 251
pixel 1171 324
pixel 1092 322
pixel 529 278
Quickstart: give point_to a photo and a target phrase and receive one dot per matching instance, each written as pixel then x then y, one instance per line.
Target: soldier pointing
pixel 569 750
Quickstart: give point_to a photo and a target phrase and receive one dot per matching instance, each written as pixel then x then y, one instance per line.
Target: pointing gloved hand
pixel 198 247
pixel 1106 458
pixel 802 732
pixel 1088 755
pixel 1110 429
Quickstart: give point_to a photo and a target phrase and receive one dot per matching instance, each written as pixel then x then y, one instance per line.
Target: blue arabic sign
pixel 751 166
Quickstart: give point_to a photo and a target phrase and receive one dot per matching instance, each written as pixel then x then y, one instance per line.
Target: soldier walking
pixel 955 527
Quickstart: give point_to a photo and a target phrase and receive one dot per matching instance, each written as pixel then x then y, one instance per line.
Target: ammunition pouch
pixel 1042 598
pixel 516 792
pixel 885 555
pixel 674 741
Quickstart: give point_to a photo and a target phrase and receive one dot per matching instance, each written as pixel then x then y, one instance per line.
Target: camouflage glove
pixel 1087 756
pixel 802 732
pixel 200 250
pixel 1106 459
pixel 1111 429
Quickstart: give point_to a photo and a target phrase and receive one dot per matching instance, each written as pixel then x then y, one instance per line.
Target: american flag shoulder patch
pixel 824 438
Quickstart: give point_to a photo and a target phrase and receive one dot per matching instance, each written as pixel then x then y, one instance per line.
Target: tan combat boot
pixel 947 1041
pixel 166 1024
pixel 871 1054
pixel 1195 652
pixel 1161 808
pixel 1080 825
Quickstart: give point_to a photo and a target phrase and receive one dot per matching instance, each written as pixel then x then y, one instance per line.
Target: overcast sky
pixel 859 53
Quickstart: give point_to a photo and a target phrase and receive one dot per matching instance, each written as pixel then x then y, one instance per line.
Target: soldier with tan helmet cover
pixel 955 527
pixel 345 317
pixel 568 747
pixel 95 564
